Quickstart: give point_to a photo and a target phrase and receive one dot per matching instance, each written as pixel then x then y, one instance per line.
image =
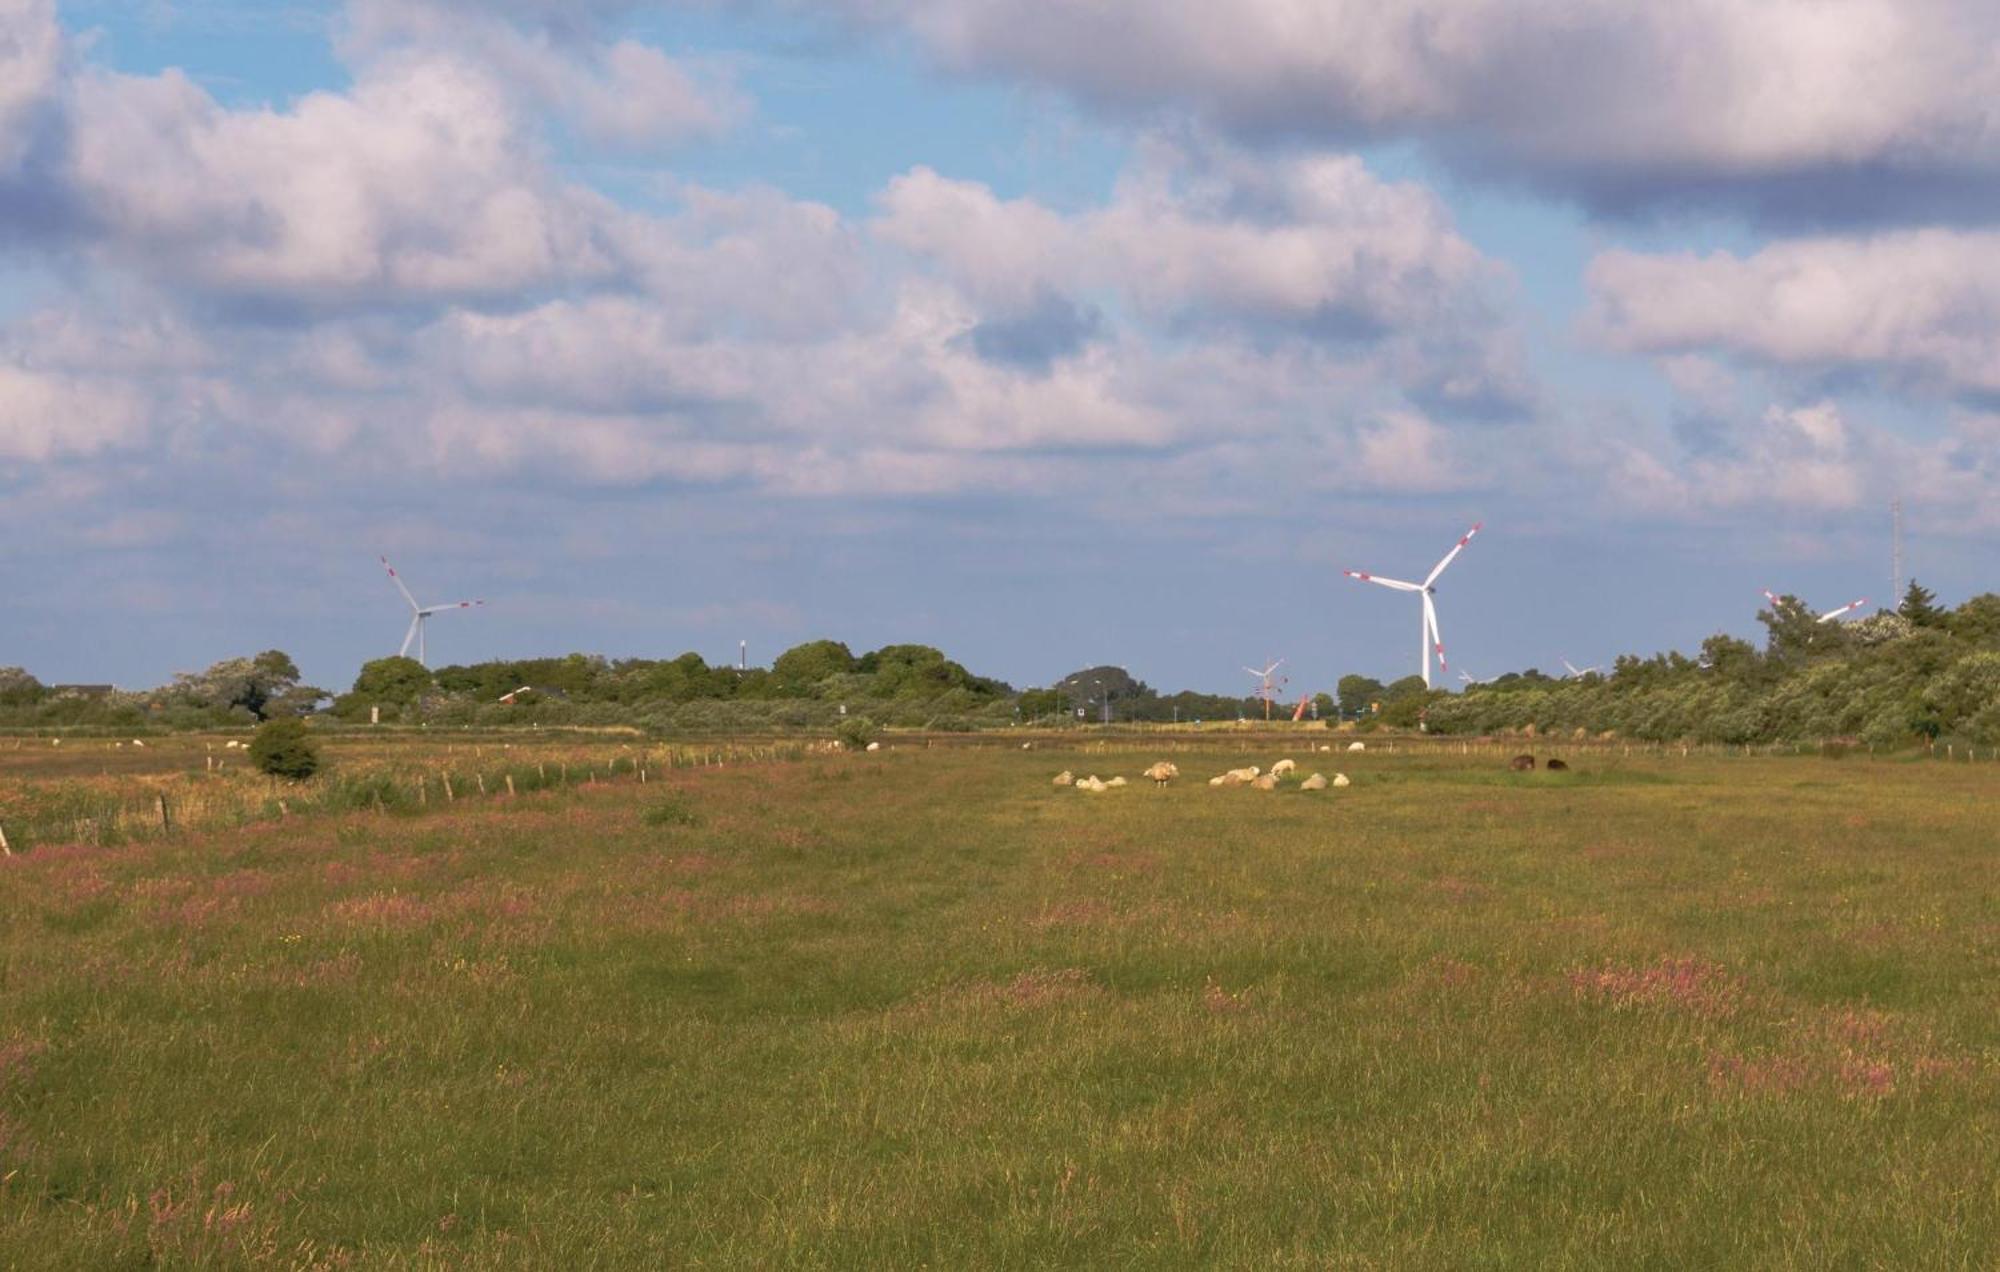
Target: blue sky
pixel 1051 335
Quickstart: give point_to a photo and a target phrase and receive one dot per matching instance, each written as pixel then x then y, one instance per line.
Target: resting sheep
pixel 1340 779
pixel 1268 782
pixel 1317 782
pixel 1065 777
pixel 1092 785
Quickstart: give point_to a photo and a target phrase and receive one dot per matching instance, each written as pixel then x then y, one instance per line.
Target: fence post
pixel 166 823
pixel 423 792
pixel 510 785
pixel 446 779
pixel 5 851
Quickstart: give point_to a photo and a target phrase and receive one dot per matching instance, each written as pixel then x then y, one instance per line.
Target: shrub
pixel 856 732
pixel 673 810
pixel 283 748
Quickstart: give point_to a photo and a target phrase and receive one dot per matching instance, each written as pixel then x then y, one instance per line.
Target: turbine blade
pixel 397 579
pixel 1397 584
pixel 429 610
pixel 1437 640
pixel 411 634
pixel 1456 548
pixel 1848 608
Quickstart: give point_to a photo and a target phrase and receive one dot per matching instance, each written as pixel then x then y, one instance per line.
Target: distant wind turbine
pixel 1428 637
pixel 1778 602
pixel 1576 672
pixel 418 614
pixel 1267 688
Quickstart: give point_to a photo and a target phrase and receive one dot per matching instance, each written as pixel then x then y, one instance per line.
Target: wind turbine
pixel 418 613
pixel 1576 672
pixel 1266 687
pixel 1777 603
pixel 1471 681
pixel 1428 638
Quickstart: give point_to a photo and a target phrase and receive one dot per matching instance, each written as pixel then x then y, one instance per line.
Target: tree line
pixel 1920 671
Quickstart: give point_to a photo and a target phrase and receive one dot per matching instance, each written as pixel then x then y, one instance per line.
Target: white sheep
pixel 1219 781
pixel 1162 773
pixel 1092 785
pixel 1357 746
pixel 1065 778
pixel 1317 782
pixel 1116 781
pixel 141 745
pixel 1268 782
pixel 1340 779
pixel 874 746
pixel 1283 767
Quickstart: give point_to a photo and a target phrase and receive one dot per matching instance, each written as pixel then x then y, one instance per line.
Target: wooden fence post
pixel 510 785
pixel 166 823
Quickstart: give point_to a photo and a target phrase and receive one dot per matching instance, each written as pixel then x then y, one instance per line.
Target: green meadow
pixel 923 1008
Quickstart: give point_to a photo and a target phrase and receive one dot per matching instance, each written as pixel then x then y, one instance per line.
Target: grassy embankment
pixel 924 1008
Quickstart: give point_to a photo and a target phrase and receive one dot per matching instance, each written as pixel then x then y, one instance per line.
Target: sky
pixel 1051 334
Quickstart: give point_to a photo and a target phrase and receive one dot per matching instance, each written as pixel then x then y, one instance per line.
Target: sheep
pixel 1522 764
pixel 1116 781
pixel 1283 767
pixel 874 746
pixel 1027 746
pixel 1092 785
pixel 141 745
pixel 1268 782
pixel 1219 781
pixel 1556 766
pixel 1357 746
pixel 1246 774
pixel 1317 782
pixel 1162 773
pixel 1340 779
pixel 1065 778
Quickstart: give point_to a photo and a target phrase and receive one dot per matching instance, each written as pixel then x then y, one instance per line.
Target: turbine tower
pixel 1778 604
pixel 1267 688
pixel 419 613
pixel 1428 638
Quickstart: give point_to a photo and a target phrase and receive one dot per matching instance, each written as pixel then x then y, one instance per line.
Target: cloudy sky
pixel 1050 333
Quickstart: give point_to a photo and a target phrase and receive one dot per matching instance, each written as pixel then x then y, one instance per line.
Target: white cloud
pixel 47 417
pixel 1625 106
pixel 30 63
pixel 414 185
pixel 1921 306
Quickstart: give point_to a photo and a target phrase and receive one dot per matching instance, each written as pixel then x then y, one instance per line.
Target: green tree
pixel 283 748
pixel 1358 693
pixel 392 682
pixel 803 667
pixel 19 689
pixel 1920 606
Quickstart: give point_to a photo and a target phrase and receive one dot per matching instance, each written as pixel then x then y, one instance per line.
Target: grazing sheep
pixel 1340 779
pixel 1065 777
pixel 1556 766
pixel 1357 746
pixel 874 746
pixel 1283 767
pixel 1268 782
pixel 1162 773
pixel 1327 747
pixel 1522 764
pixel 1317 782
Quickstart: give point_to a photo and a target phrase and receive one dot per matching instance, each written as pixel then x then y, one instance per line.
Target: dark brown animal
pixel 1556 766
pixel 1522 764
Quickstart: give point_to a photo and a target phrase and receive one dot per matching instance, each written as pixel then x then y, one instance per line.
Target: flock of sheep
pixel 1251 776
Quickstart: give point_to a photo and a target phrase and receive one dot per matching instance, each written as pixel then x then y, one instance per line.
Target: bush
pixel 672 810
pixel 855 732
pixel 283 748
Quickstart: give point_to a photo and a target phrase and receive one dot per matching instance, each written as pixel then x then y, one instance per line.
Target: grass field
pixel 923 1008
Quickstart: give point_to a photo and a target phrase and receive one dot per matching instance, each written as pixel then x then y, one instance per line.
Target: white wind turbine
pixel 1266 687
pixel 1777 603
pixel 1428 637
pixel 1576 672
pixel 418 613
